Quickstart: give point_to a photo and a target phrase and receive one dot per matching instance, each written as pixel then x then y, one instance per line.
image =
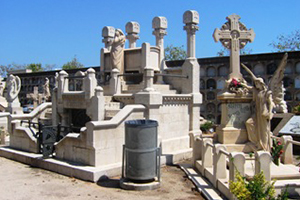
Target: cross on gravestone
pixel 35 96
pixel 234 36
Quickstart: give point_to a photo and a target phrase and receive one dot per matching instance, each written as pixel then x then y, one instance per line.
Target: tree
pixel 73 64
pixel 290 42
pixel 175 53
pixel 35 67
pixel 4 69
pixel 225 52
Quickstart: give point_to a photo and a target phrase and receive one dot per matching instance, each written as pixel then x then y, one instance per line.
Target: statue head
pixel 119 32
pixel 259 83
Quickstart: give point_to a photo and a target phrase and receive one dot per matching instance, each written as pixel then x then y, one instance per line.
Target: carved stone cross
pixel 234 36
pixel 35 96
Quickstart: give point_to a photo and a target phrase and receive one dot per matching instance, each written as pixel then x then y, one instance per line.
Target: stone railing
pixel 214 160
pixel 35 113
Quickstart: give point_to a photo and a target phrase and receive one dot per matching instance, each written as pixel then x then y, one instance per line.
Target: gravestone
pixel 235 107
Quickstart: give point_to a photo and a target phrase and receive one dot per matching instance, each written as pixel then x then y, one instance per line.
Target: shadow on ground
pixel 107 182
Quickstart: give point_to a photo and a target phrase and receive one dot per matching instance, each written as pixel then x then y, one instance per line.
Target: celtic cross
pixel 234 36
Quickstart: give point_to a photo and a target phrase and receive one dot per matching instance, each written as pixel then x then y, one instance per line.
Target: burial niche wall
pixel 259 69
pixel 288 96
pixel 297 96
pixel 211 96
pixel 211 71
pixel 271 68
pixel 223 71
pixel 287 82
pixel 297 82
pixel 288 68
pixel 298 68
pixel 211 108
pixel 211 84
pixel 221 83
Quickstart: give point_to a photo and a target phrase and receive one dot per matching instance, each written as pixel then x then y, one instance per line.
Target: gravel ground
pixel 22 182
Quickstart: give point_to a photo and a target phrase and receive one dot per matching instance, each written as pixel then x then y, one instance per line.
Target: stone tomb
pixel 96 147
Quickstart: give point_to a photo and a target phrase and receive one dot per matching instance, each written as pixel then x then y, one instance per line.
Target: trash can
pixel 141 155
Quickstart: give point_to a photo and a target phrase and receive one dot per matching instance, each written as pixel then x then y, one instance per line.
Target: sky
pixel 54 31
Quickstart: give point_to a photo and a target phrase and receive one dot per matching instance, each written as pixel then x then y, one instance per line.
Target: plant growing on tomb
pixel 296 109
pixel 276 151
pixel 256 188
pixel 206 126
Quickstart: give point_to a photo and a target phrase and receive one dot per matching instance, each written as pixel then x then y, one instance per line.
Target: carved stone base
pixel 232 136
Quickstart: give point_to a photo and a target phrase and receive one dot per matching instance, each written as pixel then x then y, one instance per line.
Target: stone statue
pixel 13 87
pixel 2 86
pixel 46 89
pixel 258 125
pixel 117 51
pixel 276 86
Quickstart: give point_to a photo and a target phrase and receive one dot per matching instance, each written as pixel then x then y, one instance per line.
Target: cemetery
pixel 84 127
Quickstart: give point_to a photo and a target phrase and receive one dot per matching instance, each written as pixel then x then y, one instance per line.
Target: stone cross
pixel 35 96
pixel 132 30
pixel 234 36
pixel 191 19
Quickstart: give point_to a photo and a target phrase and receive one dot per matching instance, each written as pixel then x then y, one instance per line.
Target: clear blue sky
pixel 53 31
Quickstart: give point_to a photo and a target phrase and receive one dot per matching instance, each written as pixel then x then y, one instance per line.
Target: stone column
pixel 108 34
pixel 236 162
pixel 191 19
pixel 132 30
pixel 207 156
pixel 287 155
pixel 191 70
pixel 96 109
pixel 263 161
pixel 63 84
pixel 219 164
pixel 148 69
pixel 90 83
pixel 160 24
pixel 115 82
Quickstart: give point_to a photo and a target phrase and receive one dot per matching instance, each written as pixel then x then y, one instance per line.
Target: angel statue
pixel 258 125
pixel 277 88
pixel 117 51
pixel 13 88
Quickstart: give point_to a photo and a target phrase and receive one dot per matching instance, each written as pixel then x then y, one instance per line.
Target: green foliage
pixel 290 42
pixel 206 126
pixel 225 52
pixel 296 109
pixel 35 67
pixel 276 151
pixel 257 188
pixel 175 53
pixel 4 69
pixel 73 64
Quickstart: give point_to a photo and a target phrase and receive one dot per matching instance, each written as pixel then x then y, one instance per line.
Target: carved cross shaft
pixel 234 36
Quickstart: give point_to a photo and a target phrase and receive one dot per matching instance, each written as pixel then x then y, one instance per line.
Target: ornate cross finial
pixel 234 36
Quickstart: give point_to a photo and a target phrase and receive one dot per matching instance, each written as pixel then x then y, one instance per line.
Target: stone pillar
pixel 287 155
pixel 191 69
pixel 207 156
pixel 263 161
pixel 96 109
pixel 219 164
pixel 236 162
pixel 108 34
pixel 132 30
pixel 115 82
pixel 160 24
pixel 148 69
pixel 90 83
pixel 191 19
pixel 63 84
pixel 197 149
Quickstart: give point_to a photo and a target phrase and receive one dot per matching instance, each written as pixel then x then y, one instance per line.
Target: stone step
pixel 165 89
pixel 203 186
